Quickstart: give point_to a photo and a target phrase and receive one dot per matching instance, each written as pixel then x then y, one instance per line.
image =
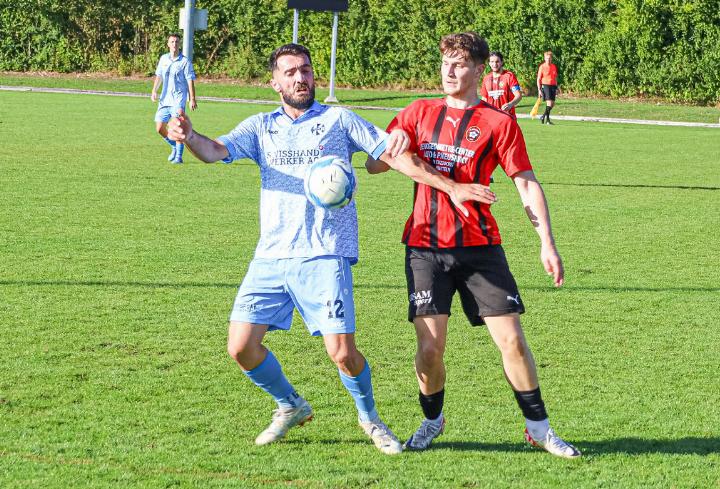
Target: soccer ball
pixel 330 183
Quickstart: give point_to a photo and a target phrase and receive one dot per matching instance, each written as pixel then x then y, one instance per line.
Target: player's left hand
pixel 398 142
pixel 193 104
pixel 553 264
pixel 506 107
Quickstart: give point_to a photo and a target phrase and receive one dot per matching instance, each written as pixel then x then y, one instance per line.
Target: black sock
pixel 432 404
pixel 531 404
pixel 547 112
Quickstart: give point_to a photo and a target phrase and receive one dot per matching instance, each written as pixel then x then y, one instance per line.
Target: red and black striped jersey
pixel 466 145
pixel 497 91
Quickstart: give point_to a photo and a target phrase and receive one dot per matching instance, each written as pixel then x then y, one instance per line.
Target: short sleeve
pixel 243 141
pixel 407 120
pixel 158 70
pixel 511 148
pixel 364 135
pixel 513 81
pixel 189 71
pixel 483 91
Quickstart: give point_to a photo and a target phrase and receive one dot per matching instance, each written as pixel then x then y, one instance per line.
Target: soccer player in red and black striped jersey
pixel 500 88
pixel 457 248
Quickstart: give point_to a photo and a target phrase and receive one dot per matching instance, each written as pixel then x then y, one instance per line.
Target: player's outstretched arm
pixel 205 149
pixel 411 165
pixel 398 142
pixel 374 166
pixel 533 199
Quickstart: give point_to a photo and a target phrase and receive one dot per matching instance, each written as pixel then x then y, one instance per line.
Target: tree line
pixel 656 48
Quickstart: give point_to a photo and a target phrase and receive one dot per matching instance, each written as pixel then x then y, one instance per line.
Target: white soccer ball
pixel 330 183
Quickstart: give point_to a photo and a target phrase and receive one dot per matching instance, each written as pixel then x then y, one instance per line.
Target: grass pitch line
pixel 623 121
pixel 612 120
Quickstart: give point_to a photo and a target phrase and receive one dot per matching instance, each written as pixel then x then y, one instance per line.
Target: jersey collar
pixel 315 108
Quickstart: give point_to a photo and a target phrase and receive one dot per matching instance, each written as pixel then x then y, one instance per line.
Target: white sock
pixel 538 429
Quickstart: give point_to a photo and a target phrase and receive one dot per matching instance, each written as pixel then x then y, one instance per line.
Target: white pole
pixel 189 29
pixel 331 96
pixel 296 21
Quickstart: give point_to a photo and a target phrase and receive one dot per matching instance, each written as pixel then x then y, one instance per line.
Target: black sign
pixel 320 5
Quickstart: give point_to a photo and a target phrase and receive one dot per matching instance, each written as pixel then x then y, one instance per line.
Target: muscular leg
pixel 517 359
pixel 431 332
pixel 342 351
pixel 161 128
pixel 520 371
pixel 245 344
pixel 259 364
pixel 354 372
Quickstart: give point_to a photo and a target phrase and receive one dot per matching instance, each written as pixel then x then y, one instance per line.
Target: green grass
pixel 117 272
pixel 566 105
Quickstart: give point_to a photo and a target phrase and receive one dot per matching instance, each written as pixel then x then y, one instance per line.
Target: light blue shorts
pixel 167 112
pixel 319 287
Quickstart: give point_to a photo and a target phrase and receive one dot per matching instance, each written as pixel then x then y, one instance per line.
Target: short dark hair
pixel 497 54
pixel 470 43
pixel 285 49
pixel 175 35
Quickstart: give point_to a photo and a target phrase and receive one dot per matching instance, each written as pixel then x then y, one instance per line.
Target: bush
pixel 602 47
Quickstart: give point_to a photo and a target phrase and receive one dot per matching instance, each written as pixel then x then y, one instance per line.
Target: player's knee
pixel 347 360
pixel 239 351
pixel 430 354
pixel 514 346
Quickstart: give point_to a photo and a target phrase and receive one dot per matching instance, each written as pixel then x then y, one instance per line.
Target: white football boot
pixel 384 439
pixel 554 444
pixel 283 419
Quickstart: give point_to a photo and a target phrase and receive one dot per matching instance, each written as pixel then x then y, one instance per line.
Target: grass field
pixel 566 105
pixel 117 272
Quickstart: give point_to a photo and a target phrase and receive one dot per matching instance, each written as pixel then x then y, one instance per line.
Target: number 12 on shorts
pixel 335 309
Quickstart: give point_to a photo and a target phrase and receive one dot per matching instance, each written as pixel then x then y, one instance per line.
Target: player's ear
pixel 275 85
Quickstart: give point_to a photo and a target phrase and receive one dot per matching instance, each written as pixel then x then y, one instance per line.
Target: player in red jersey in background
pixel 547 85
pixel 500 88
pixel 457 249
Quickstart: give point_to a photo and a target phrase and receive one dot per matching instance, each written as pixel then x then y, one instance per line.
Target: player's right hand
pixel 153 97
pixel 180 128
pixel 462 192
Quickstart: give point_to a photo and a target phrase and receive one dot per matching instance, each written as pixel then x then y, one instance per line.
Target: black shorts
pixel 548 92
pixel 479 273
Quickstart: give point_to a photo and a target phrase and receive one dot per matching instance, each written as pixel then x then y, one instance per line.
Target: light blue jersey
pixel 283 148
pixel 175 74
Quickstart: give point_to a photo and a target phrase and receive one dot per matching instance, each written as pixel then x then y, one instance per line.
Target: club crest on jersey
pixel 318 129
pixel 472 134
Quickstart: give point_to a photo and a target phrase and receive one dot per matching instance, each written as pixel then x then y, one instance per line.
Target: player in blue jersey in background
pixel 175 72
pixel 304 254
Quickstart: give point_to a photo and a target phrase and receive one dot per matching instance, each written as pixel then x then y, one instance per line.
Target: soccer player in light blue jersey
pixel 304 256
pixel 175 72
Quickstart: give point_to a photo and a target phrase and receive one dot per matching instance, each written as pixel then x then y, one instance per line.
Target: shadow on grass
pixel 630 185
pixel 629 446
pixel 220 285
pixel 626 446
